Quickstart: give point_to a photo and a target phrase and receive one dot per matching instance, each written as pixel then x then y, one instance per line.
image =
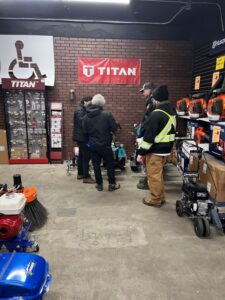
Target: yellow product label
pixel 215 77
pixel 197 82
pixel 216 134
pixel 220 62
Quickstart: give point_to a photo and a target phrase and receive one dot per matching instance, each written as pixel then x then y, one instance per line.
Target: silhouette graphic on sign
pixel 24 62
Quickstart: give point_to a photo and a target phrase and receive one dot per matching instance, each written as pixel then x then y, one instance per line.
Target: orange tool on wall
pixel 197 106
pixel 201 136
pixel 182 106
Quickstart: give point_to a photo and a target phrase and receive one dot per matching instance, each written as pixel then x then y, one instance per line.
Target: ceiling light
pixel 102 1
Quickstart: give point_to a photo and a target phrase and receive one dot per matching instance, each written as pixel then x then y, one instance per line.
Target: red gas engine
pixel 216 103
pixel 182 106
pixel 197 106
pixel 201 136
pixel 11 217
pixel 216 108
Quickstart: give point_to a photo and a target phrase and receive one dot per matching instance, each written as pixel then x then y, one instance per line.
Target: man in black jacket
pixel 146 90
pixel 99 126
pixel 157 144
pixel 81 140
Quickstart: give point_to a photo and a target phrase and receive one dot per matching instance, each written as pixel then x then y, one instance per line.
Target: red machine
pixel 10 226
pixel 201 136
pixel 216 103
pixel 197 106
pixel 11 219
pixel 182 106
pixel 216 108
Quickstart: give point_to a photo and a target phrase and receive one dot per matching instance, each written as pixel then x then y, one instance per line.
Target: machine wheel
pixel 134 169
pixel 199 227
pixel 206 227
pixel 179 208
pixel 37 248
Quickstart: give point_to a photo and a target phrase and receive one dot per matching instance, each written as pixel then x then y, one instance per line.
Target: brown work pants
pixel 154 165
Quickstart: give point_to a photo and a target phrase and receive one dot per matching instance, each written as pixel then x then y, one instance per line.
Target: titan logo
pixel 23 84
pixel 89 71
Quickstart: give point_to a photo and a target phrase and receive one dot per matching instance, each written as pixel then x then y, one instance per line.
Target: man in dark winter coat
pixel 99 126
pixel 157 144
pixel 146 90
pixel 81 140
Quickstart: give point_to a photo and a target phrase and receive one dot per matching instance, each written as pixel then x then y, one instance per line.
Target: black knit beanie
pixel 161 93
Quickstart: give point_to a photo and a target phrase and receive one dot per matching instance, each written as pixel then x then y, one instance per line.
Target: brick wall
pixel 167 62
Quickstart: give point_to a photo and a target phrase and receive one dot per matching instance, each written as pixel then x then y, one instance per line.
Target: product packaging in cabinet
pixel 26 126
pixel 56 128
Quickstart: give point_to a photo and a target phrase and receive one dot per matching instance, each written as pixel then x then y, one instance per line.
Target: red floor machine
pixel 13 225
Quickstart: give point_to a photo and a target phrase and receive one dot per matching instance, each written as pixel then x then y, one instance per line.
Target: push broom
pixel 34 211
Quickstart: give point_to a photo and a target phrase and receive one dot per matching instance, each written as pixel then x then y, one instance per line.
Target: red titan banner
pixel 109 71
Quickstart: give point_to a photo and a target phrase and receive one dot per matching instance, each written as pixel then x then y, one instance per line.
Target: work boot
pixel 79 177
pixel 151 203
pixel 143 184
pixel 99 187
pixel 142 179
pixel 113 187
pixel 89 180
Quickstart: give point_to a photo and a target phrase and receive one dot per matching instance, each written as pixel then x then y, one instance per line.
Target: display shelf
pixel 185 117
pixel 26 126
pixel 204 146
pixel 202 119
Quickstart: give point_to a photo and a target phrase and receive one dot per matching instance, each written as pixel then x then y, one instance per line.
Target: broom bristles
pixel 36 213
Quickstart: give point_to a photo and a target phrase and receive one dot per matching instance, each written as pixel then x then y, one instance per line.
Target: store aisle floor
pixel 109 246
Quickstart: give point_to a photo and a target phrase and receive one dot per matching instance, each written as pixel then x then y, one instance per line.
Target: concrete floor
pixel 109 246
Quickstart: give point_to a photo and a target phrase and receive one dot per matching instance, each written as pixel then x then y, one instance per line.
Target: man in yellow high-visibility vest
pixel 157 144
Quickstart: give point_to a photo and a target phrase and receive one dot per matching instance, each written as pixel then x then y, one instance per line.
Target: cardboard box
pixel 4 155
pixel 188 148
pixel 44 150
pixel 191 128
pixel 193 163
pixel 212 174
pixel 204 172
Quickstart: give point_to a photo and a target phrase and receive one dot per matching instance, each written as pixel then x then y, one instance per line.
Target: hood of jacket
pixel 94 110
pixel 166 105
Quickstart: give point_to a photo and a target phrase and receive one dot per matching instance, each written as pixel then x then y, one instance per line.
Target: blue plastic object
pixel 23 276
pixel 21 243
